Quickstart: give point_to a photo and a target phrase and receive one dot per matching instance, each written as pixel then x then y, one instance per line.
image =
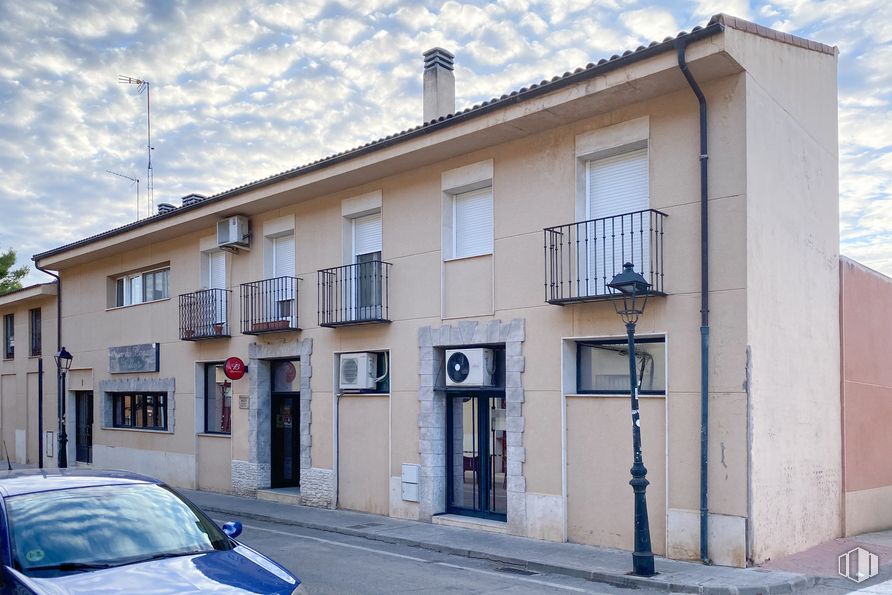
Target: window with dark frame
pixel 217 400
pixel 36 339
pixel 602 367
pixel 9 336
pixel 139 288
pixel 142 411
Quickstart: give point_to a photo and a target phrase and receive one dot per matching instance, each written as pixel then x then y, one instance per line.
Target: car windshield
pixel 97 527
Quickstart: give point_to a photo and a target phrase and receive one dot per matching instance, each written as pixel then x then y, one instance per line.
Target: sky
pixel 244 89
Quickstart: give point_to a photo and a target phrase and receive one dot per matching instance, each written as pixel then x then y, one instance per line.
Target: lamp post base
pixel 643 564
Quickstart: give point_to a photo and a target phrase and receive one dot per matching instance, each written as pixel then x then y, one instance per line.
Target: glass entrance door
pixel 285 459
pixel 477 449
pixel 83 437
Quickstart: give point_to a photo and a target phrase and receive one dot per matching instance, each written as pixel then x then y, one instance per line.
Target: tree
pixel 10 279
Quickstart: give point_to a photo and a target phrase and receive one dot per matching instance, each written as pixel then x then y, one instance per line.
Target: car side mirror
pixel 232 529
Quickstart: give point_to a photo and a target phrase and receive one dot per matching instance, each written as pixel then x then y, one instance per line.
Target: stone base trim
pixel 317 487
pixel 248 477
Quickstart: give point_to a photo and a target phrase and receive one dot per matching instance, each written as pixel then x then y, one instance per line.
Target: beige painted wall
pixel 18 387
pixel 792 306
pixel 363 476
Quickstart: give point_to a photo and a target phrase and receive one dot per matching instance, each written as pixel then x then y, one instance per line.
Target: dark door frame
pixel 484 475
pixel 275 477
pixel 83 428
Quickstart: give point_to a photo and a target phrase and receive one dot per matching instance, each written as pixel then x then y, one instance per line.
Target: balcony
pixel 269 306
pixel 354 294
pixel 204 315
pixel 582 258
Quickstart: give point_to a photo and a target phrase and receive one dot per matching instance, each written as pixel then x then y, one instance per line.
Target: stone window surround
pixel 432 413
pixel 138 385
pixel 317 485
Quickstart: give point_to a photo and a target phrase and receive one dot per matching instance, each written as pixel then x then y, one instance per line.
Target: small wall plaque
pixel 129 359
pixel 243 401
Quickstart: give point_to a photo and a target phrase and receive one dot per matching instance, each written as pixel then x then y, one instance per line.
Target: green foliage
pixel 10 279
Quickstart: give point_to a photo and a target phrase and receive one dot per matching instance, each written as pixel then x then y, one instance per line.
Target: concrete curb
pixel 598 576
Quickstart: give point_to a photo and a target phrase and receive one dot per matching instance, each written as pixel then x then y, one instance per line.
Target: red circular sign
pixel 234 368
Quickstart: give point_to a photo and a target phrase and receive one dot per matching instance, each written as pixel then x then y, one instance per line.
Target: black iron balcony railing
pixel 269 306
pixel 204 314
pixel 582 258
pixel 354 294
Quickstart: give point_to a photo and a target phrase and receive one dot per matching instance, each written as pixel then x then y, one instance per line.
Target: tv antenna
pixel 114 173
pixel 142 85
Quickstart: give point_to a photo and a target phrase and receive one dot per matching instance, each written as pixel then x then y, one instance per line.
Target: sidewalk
pixel 593 563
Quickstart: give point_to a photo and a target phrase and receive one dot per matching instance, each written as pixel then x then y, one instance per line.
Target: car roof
pixel 29 481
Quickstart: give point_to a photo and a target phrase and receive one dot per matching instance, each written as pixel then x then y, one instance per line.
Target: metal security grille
pixel 204 314
pixel 582 258
pixel 269 306
pixel 36 334
pixel 354 294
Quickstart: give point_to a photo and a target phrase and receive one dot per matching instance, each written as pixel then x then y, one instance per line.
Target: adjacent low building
pixel 426 324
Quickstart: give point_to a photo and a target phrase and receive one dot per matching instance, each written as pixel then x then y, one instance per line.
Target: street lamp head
pixel 63 360
pixel 633 289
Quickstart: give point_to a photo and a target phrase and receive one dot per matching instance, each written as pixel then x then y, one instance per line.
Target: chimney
pixel 164 208
pixel 191 199
pixel 439 84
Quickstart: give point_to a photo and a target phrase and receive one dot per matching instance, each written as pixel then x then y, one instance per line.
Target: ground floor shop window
pixel 144 411
pixel 217 400
pixel 477 459
pixel 602 366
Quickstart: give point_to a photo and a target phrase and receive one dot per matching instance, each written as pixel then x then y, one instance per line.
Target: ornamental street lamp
pixel 633 289
pixel 63 364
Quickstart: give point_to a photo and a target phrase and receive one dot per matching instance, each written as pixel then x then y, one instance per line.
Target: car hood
pixel 239 570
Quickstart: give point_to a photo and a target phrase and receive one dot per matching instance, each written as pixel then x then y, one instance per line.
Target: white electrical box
pixel 470 367
pixel 358 371
pixel 409 485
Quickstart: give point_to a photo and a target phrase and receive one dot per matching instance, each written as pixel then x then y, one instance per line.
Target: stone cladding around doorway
pixel 316 485
pixel 432 416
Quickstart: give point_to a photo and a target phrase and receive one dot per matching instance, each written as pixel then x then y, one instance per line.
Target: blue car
pixel 81 531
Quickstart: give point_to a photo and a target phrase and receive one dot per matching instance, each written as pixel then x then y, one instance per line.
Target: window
pixel 602 367
pixel 9 336
pixel 35 332
pixel 217 400
pixel 138 288
pixel 472 223
pixel 144 411
pixel 366 277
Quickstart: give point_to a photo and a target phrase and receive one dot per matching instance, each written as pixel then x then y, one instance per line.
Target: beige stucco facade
pixel 774 482
pixel 20 375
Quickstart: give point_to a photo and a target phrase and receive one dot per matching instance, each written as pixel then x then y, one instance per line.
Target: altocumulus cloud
pixel 243 89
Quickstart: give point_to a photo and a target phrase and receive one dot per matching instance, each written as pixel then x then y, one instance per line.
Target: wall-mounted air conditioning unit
pixel 470 367
pixel 233 232
pixel 358 371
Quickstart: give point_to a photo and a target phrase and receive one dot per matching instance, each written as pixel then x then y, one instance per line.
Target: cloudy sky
pixel 243 89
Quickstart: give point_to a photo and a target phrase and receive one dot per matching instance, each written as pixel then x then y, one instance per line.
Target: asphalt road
pixel 334 563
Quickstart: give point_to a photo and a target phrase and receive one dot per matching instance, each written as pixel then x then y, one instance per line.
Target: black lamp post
pixel 63 364
pixel 633 289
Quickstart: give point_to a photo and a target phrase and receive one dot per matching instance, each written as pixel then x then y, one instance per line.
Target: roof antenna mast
pixel 114 173
pixel 142 85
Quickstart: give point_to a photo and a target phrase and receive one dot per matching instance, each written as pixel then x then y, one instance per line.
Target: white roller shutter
pixel 616 185
pixel 283 256
pixel 473 223
pixel 217 270
pixel 367 234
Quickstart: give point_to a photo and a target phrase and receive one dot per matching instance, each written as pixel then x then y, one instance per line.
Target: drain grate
pixel 515 570
pixel 364 526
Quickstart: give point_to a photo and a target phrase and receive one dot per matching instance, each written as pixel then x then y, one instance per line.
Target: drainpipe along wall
pixel 704 307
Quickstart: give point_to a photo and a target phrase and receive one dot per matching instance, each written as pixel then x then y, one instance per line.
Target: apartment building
pixel 28 375
pixel 427 329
